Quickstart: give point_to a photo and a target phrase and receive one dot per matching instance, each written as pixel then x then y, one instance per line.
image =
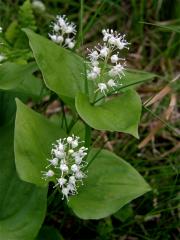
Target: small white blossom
pixel 96 70
pixel 65 192
pixel 63 32
pixel 93 55
pixel 71 151
pixel 38 5
pixel 2 57
pixel 1 29
pixel 102 87
pixel 116 70
pixel 48 174
pixel 63 167
pixel 79 175
pixel 104 51
pixel 67 164
pixel 111 83
pixel 61 181
pixel 121 43
pixel 54 161
pixel 75 168
pixel 71 45
pixel 92 75
pixel 59 154
pixel 69 140
pixel 114 58
pixel 72 180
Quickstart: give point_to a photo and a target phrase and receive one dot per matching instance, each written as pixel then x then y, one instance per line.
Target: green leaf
pixel 62 69
pixel 7 107
pixel 134 77
pixel 22 205
pixel 121 113
pixel 166 26
pixel 110 184
pixel 12 74
pixel 19 79
pixel 34 136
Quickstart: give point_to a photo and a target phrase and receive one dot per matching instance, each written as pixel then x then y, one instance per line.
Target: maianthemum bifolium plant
pixel 99 91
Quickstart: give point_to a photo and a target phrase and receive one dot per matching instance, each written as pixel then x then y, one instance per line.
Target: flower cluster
pixel 66 165
pixel 63 32
pixel 105 66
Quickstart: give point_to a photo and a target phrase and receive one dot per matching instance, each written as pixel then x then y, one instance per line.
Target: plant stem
pixel 80 36
pixel 87 135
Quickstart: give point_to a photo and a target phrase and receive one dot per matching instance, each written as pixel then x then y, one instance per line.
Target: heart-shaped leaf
pixel 34 135
pixel 63 70
pixel 110 184
pixel 22 205
pixel 118 114
pixel 19 79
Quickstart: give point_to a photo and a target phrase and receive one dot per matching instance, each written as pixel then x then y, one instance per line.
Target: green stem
pixel 87 136
pixel 64 117
pixel 80 36
pixel 114 91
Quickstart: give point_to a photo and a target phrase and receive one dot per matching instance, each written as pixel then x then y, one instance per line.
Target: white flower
pixel 67 164
pixel 71 188
pixel 72 180
pixel 79 175
pixel 71 45
pixel 54 161
pixel 71 151
pixel 61 181
pixel 91 75
pixel 68 40
pixel 116 70
pixel 106 34
pixel 63 167
pixel 58 153
pixel 61 20
pixel 93 55
pixel 63 32
pixel 111 83
pixel 102 87
pixel 96 70
pixel 65 192
pixel 1 29
pixel 48 174
pixel 56 38
pixel 2 57
pixel 56 27
pixel 69 140
pixel 38 5
pixel 71 28
pixel 104 51
pixel 95 63
pixel 112 40
pixel 121 42
pixel 75 168
pixel 114 58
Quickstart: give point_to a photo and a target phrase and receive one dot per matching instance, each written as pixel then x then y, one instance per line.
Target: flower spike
pixel 67 165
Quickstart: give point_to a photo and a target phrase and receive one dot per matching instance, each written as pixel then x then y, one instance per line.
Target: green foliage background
pixel 154 48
